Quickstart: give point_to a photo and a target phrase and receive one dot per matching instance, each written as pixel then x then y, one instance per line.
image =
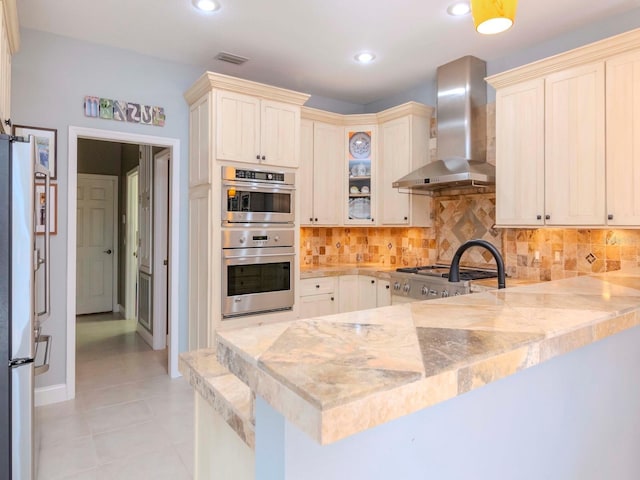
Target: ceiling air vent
pixel 231 58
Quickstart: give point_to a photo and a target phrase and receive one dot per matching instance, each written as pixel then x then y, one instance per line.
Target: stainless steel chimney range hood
pixel 461 131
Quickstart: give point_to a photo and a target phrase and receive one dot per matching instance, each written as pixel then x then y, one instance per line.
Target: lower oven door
pixel 257 280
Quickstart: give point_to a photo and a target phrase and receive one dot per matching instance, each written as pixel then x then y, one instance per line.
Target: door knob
pixel 108 252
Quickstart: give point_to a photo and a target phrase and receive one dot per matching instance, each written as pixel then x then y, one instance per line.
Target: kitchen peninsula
pixel 394 392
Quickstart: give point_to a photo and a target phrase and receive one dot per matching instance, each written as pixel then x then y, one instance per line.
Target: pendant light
pixel 493 16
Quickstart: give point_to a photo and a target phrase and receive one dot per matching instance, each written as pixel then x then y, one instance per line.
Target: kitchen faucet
pixel 454 270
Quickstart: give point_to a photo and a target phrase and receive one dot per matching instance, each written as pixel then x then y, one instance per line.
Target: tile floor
pixel 129 420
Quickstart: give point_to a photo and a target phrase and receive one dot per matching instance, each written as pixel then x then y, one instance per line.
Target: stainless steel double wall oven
pixel 258 241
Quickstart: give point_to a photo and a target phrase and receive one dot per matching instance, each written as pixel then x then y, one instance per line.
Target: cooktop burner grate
pixel 442 271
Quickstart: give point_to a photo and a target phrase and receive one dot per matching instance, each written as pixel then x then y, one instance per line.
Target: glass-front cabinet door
pixel 361 171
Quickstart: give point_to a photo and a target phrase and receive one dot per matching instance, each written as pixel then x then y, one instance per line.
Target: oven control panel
pixel 256 175
pixel 252 238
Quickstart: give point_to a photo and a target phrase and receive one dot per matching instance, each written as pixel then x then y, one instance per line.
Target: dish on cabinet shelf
pixel 360 145
pixel 355 189
pixel 360 208
pixel 364 189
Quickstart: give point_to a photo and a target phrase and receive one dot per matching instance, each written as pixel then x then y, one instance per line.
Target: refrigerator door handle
pixel 46 260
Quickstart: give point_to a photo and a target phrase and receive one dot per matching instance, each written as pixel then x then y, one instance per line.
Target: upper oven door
pixel 248 202
pixel 256 280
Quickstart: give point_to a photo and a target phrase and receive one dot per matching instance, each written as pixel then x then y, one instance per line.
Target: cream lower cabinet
pixel 367 292
pixel 255 130
pixel 383 293
pixel 404 147
pixel 318 297
pixel 623 140
pixel 320 174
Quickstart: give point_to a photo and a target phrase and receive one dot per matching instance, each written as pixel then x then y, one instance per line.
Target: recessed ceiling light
pixel 458 8
pixel 365 57
pixel 206 5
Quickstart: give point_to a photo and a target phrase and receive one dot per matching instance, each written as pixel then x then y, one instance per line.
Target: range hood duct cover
pixel 461 131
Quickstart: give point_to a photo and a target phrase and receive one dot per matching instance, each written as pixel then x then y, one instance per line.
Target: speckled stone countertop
pixel 226 394
pixel 338 375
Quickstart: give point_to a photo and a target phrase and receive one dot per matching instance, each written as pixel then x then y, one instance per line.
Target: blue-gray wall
pixel 51 75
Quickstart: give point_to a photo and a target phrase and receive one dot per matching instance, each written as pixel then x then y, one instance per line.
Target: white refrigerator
pixel 24 300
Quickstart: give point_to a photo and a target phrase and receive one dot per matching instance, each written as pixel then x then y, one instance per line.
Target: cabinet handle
pixel 257 157
pixel 610 216
pixel 311 219
pixel 332 299
pixel 372 282
pixel 387 287
pixel 547 217
pixel 317 286
pixel 316 219
pixel 372 220
pixel 539 217
pixel 7 122
pixel 406 218
pixel 263 157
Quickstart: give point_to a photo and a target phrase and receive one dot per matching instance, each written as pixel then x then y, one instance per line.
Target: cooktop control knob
pixel 241 240
pixel 276 238
pixel 424 290
pixel 445 293
pixel 406 288
pixel 396 286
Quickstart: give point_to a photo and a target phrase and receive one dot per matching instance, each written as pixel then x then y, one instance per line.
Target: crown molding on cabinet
pixel 593 52
pixel 211 81
pixel 409 108
pixel 13 26
pixel 308 113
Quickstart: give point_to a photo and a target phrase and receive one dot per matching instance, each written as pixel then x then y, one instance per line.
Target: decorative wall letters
pixel 123 111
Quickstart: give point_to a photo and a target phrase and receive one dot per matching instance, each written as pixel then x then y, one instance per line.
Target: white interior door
pixel 145 245
pixel 160 247
pixel 131 244
pixel 96 243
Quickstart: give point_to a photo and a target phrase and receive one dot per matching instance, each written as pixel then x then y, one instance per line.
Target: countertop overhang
pixel 338 375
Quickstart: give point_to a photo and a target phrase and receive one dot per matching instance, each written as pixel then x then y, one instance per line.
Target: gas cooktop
pixel 442 271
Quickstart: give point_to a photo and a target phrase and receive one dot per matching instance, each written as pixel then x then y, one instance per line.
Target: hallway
pixel 129 420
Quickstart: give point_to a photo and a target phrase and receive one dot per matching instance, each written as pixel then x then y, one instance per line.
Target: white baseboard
pixel 51 394
pixel 119 308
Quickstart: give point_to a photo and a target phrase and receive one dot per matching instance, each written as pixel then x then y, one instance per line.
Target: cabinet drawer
pixel 316 286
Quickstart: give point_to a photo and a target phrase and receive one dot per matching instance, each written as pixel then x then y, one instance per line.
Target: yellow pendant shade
pixel 493 16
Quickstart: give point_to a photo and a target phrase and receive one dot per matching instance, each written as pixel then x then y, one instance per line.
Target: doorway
pixel 131 264
pixel 173 147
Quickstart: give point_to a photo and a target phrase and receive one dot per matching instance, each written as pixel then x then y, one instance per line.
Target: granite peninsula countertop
pixel 338 375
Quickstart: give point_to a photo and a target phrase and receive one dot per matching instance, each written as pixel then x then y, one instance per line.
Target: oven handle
pixel 258 187
pixel 226 255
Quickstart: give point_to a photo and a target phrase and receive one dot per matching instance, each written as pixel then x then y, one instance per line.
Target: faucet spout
pixel 454 270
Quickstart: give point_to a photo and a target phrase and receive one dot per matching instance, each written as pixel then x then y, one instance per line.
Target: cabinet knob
pixel 311 219
pixel 332 299
pixel 372 282
pixel 257 157
pixel 263 157
pixel 610 216
pixel 539 217
pixel 547 217
pixel 317 286
pixel 7 122
pixel 315 219
pixel 372 220
pixel 387 287
pixel 406 218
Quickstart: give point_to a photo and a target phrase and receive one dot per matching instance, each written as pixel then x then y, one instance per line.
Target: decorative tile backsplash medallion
pixel 461 218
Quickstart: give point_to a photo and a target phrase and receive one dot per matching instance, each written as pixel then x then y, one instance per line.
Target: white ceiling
pixel 308 45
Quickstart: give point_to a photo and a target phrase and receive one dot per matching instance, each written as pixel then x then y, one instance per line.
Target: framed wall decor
pixel 46 144
pixel 40 206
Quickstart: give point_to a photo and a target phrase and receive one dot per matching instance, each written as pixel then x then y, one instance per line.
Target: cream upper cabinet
pixel 253 130
pixel 623 140
pixel 305 173
pixel 404 147
pixel 520 154
pixel 360 174
pixel 321 173
pixel 574 146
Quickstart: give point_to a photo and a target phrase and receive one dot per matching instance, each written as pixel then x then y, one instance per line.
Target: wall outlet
pixel 557 256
